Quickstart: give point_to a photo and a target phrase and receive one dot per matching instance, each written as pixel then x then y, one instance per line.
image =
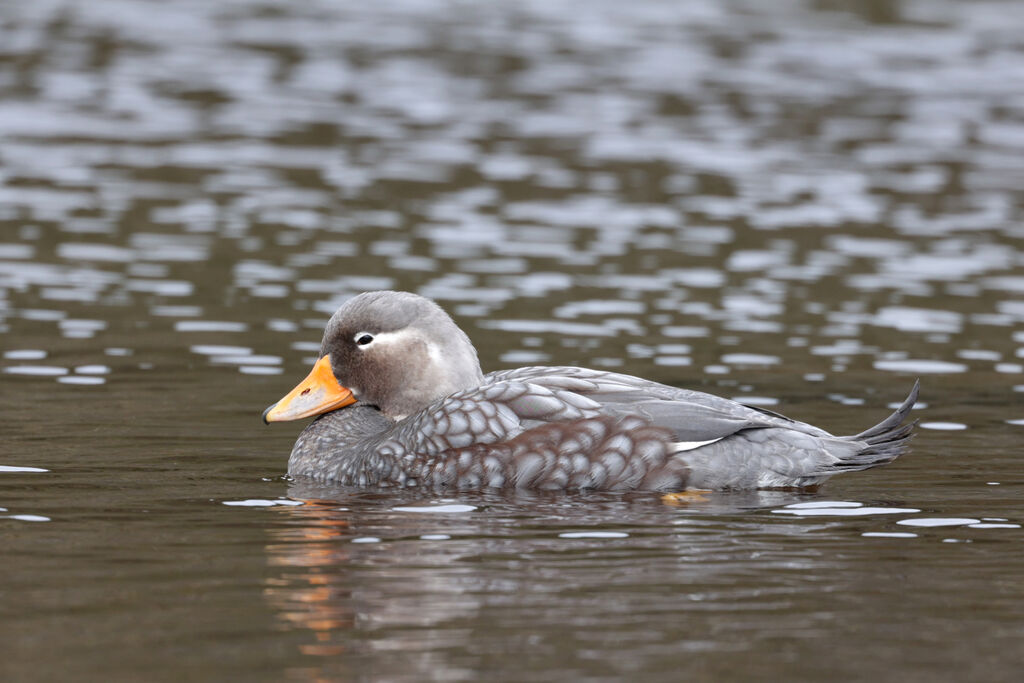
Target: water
pixel 804 207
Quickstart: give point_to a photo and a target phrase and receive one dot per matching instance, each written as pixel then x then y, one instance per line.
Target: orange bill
pixel 318 393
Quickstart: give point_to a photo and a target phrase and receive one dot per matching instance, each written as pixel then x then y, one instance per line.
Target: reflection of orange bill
pixel 685 497
pixel 318 393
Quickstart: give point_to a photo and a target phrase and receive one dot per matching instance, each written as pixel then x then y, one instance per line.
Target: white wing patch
pixel 680 446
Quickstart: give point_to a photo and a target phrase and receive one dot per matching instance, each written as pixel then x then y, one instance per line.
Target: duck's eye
pixel 363 338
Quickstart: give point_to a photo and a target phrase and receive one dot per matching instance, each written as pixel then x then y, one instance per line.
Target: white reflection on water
pixel 939 521
pixel 750 359
pixel 920 366
pixel 36 370
pixel 25 354
pixel 259 370
pixel 222 349
pixel 209 326
pixel 844 510
pixel 83 381
pixel 441 509
pixel 943 426
pixel 261 502
pixel 92 369
pixel 888 534
pixel 246 359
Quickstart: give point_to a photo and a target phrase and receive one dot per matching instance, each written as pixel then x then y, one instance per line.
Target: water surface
pixel 803 207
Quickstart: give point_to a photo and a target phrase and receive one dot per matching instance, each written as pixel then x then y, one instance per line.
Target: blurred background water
pixel 801 205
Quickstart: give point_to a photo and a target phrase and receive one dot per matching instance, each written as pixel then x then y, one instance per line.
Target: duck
pixel 400 400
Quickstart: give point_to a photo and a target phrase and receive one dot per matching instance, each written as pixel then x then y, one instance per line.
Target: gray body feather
pixel 566 427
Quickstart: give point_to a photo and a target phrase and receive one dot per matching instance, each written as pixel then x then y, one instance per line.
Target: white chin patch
pixel 680 446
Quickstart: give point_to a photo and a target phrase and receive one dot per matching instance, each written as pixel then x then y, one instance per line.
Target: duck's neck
pixel 430 374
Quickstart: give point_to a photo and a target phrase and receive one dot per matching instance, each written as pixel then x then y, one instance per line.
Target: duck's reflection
pixel 307 595
pixel 415 574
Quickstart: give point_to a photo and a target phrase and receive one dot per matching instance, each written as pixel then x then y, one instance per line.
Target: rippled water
pixel 803 206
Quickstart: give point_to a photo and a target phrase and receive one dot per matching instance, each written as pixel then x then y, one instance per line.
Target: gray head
pixel 399 351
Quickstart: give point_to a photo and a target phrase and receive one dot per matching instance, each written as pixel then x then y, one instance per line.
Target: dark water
pixel 805 207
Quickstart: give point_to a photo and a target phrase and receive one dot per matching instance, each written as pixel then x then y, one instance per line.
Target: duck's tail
pixel 884 442
pixel 780 457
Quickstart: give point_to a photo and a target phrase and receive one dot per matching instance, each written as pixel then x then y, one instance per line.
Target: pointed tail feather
pixel 886 441
pixel 884 429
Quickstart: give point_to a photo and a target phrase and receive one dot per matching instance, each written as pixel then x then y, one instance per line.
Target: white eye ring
pixel 363 338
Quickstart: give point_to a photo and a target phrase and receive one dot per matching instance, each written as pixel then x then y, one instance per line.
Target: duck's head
pixel 394 350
